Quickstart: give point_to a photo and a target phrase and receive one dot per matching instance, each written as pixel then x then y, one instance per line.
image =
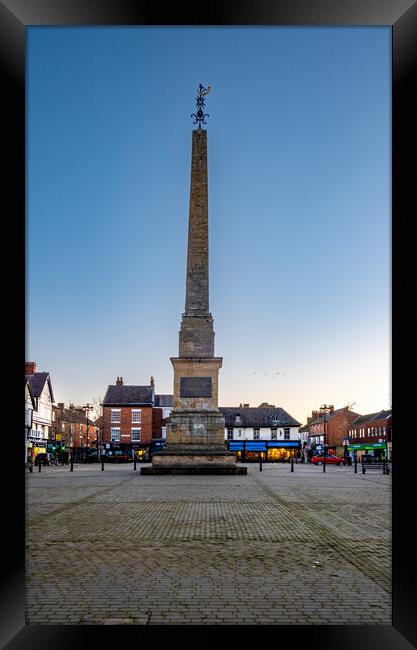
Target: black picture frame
pixel 15 16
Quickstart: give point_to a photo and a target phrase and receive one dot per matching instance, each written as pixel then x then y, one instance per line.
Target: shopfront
pixel 272 451
pixel 374 449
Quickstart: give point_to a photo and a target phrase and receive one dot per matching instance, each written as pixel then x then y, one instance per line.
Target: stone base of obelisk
pixel 195 445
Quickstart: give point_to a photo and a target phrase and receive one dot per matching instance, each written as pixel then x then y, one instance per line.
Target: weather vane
pixel 200 116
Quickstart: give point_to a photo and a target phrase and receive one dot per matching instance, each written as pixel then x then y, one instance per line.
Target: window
pixel 287 433
pixel 115 415
pixel 136 434
pixel 115 434
pixel 136 415
pixel 230 434
pixel 273 434
pixel 256 434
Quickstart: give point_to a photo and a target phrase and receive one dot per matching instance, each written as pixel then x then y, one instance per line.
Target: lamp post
pixel 87 407
pixel 324 408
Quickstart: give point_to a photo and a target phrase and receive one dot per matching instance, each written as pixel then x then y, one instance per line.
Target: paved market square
pixel 273 547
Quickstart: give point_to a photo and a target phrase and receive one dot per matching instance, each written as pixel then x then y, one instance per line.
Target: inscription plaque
pixel 195 387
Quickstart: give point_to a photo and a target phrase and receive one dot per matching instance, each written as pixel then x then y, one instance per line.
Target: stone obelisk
pixel 195 428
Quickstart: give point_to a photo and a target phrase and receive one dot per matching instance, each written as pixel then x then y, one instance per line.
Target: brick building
pixel 71 431
pixel 372 434
pixel 333 425
pixel 133 415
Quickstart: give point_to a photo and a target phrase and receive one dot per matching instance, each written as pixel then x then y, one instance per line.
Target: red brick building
pixel 372 429
pixel 335 424
pixel 71 431
pixel 133 415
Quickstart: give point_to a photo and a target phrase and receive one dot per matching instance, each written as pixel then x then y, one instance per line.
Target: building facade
pixel 75 433
pixel 133 416
pixel 371 434
pixel 39 434
pixel 265 432
pixel 30 406
pixel 330 428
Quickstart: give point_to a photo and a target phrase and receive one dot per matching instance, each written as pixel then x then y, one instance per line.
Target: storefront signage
pixel 283 443
pixel 39 440
pixel 366 446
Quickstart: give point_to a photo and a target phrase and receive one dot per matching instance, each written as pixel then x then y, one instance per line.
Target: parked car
pixel 331 459
pixel 45 459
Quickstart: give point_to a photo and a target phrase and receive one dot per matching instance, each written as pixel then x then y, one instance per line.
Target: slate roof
pixel 164 400
pixel 128 395
pixel 381 415
pixel 32 397
pixel 74 416
pixel 37 383
pixel 258 417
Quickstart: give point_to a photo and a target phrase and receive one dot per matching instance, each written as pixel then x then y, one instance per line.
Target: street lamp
pixel 87 407
pixel 324 408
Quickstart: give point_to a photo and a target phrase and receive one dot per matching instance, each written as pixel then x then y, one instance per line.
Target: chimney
pixel 152 383
pixel 331 408
pixel 309 420
pixel 30 368
pixel 119 381
pixel 246 406
pixel 61 406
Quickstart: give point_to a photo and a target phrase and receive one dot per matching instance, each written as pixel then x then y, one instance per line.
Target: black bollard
pixel 134 462
pixel 260 464
pixel 40 465
pixel 72 464
pixel 292 464
pixel 356 465
pixel 102 464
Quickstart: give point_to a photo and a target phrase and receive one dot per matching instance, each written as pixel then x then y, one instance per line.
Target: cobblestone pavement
pixel 273 547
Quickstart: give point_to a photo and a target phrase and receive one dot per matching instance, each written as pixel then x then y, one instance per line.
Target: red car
pixel 330 459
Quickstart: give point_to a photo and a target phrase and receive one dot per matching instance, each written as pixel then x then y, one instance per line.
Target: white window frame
pixel 256 434
pixel 135 413
pixel 274 433
pixel 115 412
pixel 229 434
pixel 136 429
pixel 113 431
pixel 287 433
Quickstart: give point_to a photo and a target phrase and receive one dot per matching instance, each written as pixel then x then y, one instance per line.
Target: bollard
pixel 40 464
pixel 72 464
pixel 292 464
pixel 134 462
pixel 356 465
pixel 102 464
pixel 260 464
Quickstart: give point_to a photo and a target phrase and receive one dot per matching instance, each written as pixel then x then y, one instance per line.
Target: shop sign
pixel 235 446
pixel 283 443
pixel 39 440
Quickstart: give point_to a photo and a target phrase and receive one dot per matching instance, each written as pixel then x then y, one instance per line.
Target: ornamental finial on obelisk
pixel 200 116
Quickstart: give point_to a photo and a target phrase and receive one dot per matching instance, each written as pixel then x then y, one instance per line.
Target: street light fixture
pixel 324 408
pixel 87 407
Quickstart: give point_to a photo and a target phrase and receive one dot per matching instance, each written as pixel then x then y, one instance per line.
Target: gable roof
pixel 31 395
pixel 73 416
pixel 258 416
pixel 370 417
pixel 37 383
pixel 128 395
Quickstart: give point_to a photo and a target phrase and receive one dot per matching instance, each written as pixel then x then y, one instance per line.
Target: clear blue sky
pixel 299 208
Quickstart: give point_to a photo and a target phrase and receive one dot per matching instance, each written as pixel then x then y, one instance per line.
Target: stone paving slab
pixel 117 547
